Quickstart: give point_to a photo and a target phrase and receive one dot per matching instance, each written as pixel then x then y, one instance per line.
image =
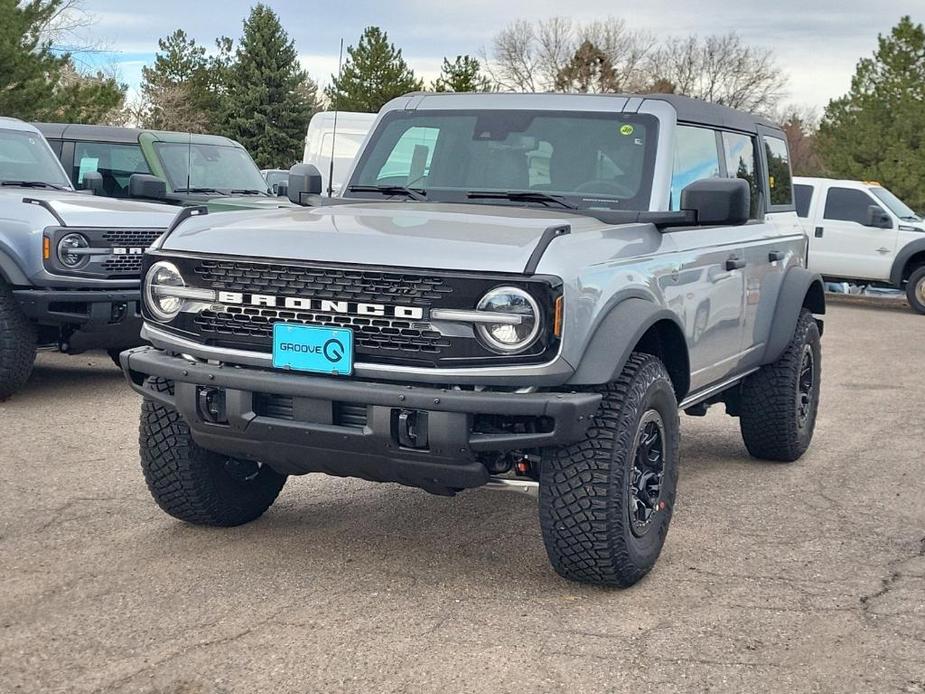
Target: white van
pixel 860 232
pixel 351 132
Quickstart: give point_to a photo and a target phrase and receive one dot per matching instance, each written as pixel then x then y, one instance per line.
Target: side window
pixel 115 162
pixel 802 196
pixel 779 179
pixel 740 163
pixel 410 158
pixel 847 205
pixel 695 158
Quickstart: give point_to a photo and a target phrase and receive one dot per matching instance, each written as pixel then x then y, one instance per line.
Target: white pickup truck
pixel 860 232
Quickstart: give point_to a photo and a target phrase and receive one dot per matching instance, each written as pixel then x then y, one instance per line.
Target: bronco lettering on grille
pixel 341 306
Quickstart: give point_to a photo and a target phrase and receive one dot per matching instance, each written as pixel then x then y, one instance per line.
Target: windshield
pixel 600 160
pixel 25 156
pixel 895 205
pixel 222 168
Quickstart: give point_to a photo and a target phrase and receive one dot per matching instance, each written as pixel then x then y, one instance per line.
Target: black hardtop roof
pixel 112 133
pixel 689 110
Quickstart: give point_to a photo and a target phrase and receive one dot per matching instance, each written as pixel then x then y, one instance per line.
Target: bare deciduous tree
pixel 721 69
pixel 529 56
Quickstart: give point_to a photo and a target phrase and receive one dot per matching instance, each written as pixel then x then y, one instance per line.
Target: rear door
pixel 843 245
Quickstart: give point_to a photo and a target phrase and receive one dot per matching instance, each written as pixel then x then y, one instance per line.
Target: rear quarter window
pixel 780 182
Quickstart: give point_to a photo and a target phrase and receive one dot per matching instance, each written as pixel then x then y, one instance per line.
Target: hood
pixel 246 202
pixel 402 234
pixel 78 210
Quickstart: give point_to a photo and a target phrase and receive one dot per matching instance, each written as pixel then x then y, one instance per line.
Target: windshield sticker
pixel 626 129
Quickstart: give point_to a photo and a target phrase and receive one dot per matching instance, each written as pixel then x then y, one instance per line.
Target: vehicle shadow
pixel 62 375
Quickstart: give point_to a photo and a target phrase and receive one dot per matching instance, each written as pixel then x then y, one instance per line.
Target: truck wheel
pixel 605 503
pixel 778 404
pixel 17 344
pixel 196 485
pixel 114 355
pixel 915 290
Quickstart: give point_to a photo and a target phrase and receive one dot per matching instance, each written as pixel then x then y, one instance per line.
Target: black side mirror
pixel 147 186
pixel 718 201
pixel 281 189
pixel 93 181
pixel 877 217
pixel 304 180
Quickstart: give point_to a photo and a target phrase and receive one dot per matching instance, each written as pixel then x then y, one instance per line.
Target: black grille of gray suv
pixel 385 339
pixel 101 253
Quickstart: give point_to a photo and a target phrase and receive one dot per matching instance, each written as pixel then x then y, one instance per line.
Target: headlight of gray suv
pixel 519 320
pixel 67 247
pixel 161 297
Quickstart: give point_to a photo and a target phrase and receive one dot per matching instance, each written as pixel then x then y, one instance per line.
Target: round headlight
pixel 162 305
pixel 518 328
pixel 67 244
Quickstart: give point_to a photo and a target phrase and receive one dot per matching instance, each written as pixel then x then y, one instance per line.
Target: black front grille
pixel 323 282
pixel 135 238
pixel 122 264
pixel 369 333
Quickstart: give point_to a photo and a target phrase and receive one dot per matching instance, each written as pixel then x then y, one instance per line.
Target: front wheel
pixel 605 503
pixel 17 345
pixel 196 485
pixel 915 290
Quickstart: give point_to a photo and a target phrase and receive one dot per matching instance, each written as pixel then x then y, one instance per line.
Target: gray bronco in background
pixel 69 263
pixel 518 291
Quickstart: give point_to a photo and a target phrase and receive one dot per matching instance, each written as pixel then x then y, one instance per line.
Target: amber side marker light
pixel 557 320
pixel 46 248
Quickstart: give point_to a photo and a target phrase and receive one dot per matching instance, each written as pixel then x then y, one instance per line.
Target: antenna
pixel 340 65
pixel 189 159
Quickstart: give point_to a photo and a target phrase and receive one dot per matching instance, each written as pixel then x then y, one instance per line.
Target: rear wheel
pixel 606 502
pixel 17 344
pixel 915 290
pixel 196 485
pixel 778 404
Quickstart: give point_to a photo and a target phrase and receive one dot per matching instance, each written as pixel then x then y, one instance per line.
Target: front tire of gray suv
pixel 915 290
pixel 17 344
pixel 196 485
pixel 778 404
pixel 605 503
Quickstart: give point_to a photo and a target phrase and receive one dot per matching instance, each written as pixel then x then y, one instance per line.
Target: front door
pixel 841 243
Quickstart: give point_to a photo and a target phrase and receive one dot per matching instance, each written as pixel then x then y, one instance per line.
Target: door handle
pixel 819 231
pixel 775 256
pixel 735 263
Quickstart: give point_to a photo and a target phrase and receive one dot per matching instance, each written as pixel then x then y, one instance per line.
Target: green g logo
pixel 626 129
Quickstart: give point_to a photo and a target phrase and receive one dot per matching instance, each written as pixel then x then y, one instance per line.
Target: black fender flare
pixel 10 272
pixel 799 288
pixel 899 264
pixel 619 333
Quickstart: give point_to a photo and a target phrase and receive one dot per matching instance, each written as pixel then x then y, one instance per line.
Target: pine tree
pixel 270 97
pixel 373 74
pixel 589 70
pixel 179 90
pixel 462 75
pixel 877 130
pixel 37 82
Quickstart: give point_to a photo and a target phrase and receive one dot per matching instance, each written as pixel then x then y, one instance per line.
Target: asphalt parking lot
pixel 803 577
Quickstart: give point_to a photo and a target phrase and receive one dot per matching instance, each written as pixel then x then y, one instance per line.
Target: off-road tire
pixel 769 404
pixel 915 290
pixel 584 491
pixel 191 483
pixel 17 344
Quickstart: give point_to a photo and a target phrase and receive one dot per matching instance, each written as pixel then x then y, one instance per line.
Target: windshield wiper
pixel 199 190
pixel 248 191
pixel 391 190
pixel 32 184
pixel 911 218
pixel 521 196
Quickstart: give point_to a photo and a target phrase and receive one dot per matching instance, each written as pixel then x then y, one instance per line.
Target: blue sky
pixel 816 43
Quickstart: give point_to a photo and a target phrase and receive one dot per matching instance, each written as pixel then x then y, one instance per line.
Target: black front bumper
pixel 95 318
pixel 306 436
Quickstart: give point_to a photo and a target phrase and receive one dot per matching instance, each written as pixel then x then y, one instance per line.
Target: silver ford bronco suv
pixel 69 263
pixel 516 290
